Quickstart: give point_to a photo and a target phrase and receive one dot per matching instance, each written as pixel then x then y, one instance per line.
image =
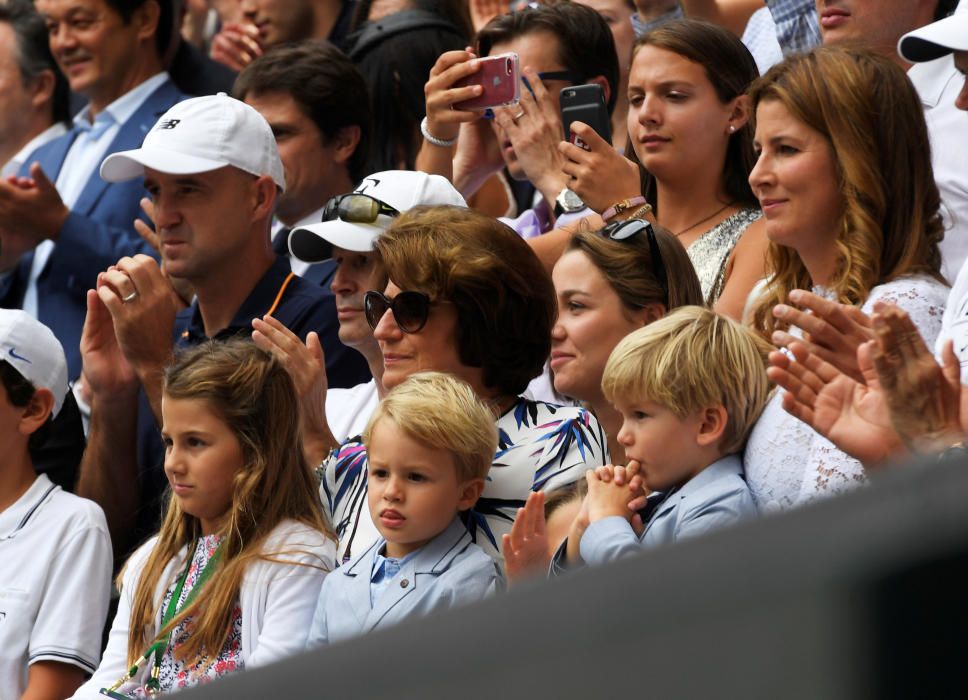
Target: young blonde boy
pixel 689 387
pixel 430 443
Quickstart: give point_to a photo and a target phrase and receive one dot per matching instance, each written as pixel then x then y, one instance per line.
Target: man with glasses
pixel 557 46
pixel 214 174
pixel 351 225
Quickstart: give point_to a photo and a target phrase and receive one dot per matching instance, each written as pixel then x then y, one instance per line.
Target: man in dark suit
pixel 60 222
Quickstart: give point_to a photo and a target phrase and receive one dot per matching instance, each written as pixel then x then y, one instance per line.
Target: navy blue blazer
pixel 448 571
pixel 98 232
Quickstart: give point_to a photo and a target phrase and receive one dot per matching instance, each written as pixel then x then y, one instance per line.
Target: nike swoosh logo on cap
pixel 14 355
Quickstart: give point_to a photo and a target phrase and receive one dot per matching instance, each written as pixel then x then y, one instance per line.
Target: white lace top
pixel 787 462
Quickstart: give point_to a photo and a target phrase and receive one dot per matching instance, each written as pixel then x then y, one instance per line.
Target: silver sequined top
pixel 710 252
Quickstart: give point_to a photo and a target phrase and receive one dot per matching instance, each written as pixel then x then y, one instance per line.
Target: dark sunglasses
pixel 623 230
pixel 356 208
pixel 410 309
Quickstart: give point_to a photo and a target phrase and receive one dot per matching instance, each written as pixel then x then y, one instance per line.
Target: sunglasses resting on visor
pixel 357 208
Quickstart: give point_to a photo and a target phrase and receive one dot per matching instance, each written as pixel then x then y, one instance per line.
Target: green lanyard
pixel 157 650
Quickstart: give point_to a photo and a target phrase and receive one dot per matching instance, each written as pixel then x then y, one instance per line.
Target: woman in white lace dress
pixel 852 212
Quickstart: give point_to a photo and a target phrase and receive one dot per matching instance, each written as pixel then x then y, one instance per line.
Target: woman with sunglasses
pixel 467 296
pixel 689 129
pixel 608 284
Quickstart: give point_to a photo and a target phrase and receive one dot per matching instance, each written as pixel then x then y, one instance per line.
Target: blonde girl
pixel 231 580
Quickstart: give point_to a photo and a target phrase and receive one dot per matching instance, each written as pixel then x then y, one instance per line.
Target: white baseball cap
pixel 401 189
pixel 199 135
pixel 936 39
pixel 31 348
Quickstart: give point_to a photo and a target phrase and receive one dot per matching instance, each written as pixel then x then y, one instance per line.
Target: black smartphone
pixel 585 103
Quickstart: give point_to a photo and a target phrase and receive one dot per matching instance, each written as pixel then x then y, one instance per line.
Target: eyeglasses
pixel 357 208
pixel 410 309
pixel 623 230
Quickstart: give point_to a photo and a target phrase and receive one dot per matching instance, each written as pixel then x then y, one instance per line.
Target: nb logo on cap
pixel 168 124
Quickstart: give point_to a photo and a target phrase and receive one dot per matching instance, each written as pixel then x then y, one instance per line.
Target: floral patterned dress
pixel 176 675
pixel 541 447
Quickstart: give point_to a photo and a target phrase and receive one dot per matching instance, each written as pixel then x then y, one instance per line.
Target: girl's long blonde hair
pixel 870 114
pixel 256 398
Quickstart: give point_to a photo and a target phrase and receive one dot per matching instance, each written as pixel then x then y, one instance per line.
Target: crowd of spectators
pixel 298 346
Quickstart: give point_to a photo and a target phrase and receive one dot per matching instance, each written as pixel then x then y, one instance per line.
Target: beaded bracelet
pixel 443 143
pixel 641 211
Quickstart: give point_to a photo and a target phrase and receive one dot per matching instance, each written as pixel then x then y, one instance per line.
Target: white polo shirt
pixel 55 581
pixel 938 83
pixel 349 410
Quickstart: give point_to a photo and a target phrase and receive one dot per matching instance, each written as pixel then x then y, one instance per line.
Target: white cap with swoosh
pixel 34 352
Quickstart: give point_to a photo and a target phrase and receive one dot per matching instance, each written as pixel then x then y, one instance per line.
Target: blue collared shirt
pixel 383 572
pixel 88 149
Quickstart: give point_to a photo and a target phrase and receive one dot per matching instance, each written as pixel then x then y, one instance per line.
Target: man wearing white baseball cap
pixel 938 39
pixel 931 43
pixel 52 621
pixel 878 25
pixel 213 170
pixel 351 224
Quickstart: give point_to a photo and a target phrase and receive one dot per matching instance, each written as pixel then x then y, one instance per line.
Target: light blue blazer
pixel 448 571
pixel 716 497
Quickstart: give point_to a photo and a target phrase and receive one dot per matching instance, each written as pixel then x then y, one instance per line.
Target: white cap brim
pixel 935 40
pixel 127 165
pixel 314 243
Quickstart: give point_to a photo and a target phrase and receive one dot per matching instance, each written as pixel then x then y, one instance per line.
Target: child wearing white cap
pixel 56 574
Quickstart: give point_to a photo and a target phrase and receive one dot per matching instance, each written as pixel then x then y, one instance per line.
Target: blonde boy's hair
pixel 442 412
pixel 690 360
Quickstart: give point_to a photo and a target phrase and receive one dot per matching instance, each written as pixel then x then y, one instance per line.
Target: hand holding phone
pixel 500 78
pixel 585 103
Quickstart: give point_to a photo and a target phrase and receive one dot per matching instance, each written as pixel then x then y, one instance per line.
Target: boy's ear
pixel 37 411
pixel 712 426
pixel 470 491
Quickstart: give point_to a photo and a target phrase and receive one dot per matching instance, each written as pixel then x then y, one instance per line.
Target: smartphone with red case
pixel 585 103
pixel 500 76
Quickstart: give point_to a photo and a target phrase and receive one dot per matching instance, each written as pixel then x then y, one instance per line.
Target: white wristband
pixel 443 143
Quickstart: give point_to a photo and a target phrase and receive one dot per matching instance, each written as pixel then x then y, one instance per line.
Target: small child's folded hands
pixel 614 490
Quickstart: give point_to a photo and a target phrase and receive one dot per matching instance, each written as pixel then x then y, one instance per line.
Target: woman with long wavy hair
pixel 852 213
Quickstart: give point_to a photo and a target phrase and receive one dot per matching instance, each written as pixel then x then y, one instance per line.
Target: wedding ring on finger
pixel 130 297
pixel 518 116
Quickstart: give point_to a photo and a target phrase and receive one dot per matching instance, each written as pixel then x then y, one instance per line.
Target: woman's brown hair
pixel 730 68
pixel 628 267
pixel 504 297
pixel 871 116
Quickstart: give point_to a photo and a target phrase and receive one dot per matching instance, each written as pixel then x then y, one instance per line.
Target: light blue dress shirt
pixel 83 160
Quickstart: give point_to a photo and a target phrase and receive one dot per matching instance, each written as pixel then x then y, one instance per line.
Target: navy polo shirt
pixel 302 307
